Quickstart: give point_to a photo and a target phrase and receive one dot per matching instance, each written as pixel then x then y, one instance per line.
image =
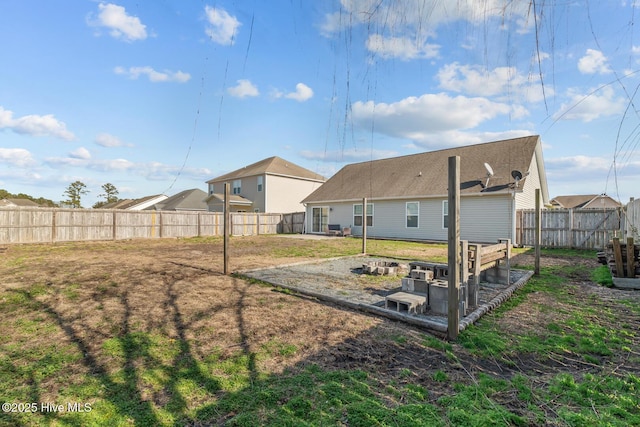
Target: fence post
pixel 364 225
pixel 453 231
pixel 113 226
pixel 538 232
pixel 226 228
pixel 53 226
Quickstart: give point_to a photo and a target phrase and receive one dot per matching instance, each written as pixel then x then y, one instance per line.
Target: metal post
pixel 538 232
pixel 364 225
pixel 226 228
pixel 453 314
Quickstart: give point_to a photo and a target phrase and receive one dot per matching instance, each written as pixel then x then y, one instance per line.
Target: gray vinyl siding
pixel 482 219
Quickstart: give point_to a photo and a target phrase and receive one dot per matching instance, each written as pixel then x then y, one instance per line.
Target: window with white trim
pixel 260 183
pixel 357 215
pixel 445 214
pixel 211 189
pixel 413 211
pixel 237 186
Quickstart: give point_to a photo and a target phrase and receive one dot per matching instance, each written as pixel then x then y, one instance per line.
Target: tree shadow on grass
pixel 136 375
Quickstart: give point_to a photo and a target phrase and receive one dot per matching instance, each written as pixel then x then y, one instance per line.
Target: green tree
pixel 74 192
pixel 110 195
pixel 4 194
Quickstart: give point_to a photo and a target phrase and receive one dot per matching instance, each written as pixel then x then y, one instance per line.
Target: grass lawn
pixel 150 333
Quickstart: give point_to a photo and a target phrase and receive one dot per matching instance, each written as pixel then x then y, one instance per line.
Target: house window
pixel 237 186
pixel 445 214
pixel 357 215
pixel 260 183
pixel 413 209
pixel 320 219
pixel 211 188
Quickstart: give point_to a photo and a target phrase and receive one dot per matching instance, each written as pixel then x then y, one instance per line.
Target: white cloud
pixel 411 16
pixel 81 153
pixel 501 82
pixel 222 27
pixel 302 93
pixel 121 26
pixel 594 62
pixel 153 75
pixel 107 140
pixel 567 166
pixel 403 48
pixel 348 155
pixel 427 118
pixel 35 125
pixel 591 106
pixel 16 157
pixel 151 170
pixel 243 89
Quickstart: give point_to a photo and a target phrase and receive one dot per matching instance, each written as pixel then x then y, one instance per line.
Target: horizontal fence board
pixel 45 225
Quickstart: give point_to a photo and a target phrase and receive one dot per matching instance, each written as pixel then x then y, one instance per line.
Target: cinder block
pixel 422 274
pixel 497 275
pixel 410 284
pixel 439 299
pixel 421 286
pixel 409 303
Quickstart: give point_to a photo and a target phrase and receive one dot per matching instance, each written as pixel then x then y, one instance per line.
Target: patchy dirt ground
pixel 176 288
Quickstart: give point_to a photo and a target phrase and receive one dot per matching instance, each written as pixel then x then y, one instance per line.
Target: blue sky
pixel 160 96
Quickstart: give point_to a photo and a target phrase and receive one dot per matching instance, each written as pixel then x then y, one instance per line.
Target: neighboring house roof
pixel 271 166
pixel 426 174
pixel 584 201
pixel 234 199
pixel 187 200
pixel 136 204
pixel 23 203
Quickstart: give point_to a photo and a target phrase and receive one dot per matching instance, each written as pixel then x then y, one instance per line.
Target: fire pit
pixel 387 268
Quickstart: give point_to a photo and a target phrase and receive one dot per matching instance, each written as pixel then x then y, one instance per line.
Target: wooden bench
pixel 497 258
pixel 489 262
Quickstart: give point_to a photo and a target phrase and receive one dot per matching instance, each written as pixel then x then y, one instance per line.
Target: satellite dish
pixel 517 176
pixel 489 174
pixel 489 169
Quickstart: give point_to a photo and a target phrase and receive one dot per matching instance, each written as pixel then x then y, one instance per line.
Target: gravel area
pixel 342 279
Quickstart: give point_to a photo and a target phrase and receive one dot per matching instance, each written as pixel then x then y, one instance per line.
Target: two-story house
pixel 270 185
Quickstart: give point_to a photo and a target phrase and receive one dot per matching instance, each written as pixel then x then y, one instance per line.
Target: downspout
pixel 304 221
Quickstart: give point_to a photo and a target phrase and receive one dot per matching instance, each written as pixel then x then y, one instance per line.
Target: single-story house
pixel 586 201
pixel 407 196
pixel 136 204
pixel 271 185
pixel 18 203
pixel 187 200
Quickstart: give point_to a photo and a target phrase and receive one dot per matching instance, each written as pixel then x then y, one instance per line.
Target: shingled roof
pixel 582 200
pixel 426 174
pixel 271 166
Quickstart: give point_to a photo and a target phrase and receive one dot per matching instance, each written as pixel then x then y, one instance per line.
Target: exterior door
pixel 320 219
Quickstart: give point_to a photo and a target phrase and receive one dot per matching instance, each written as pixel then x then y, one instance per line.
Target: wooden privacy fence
pixel 42 225
pixel 570 228
pixel 631 219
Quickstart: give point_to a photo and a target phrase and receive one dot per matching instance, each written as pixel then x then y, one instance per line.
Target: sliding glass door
pixel 320 219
